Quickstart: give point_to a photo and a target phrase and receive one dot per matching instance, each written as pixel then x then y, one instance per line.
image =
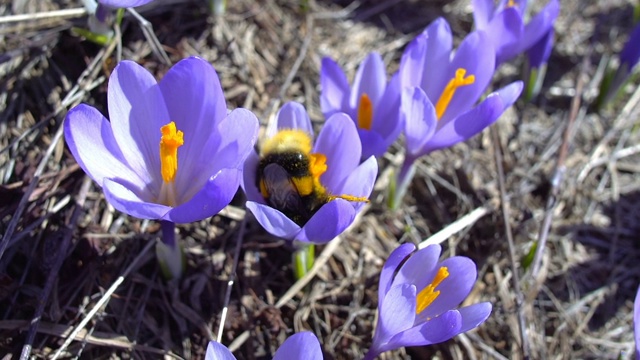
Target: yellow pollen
pixel 511 3
pixel 446 96
pixel 428 295
pixel 317 165
pixel 365 112
pixel 170 141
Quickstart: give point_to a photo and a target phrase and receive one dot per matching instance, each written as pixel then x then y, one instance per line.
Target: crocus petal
pixel 439 43
pixel 482 13
pixel 338 141
pixel 419 268
pixel 453 289
pixel 540 24
pixel 292 115
pixel 370 79
pixel 217 351
pixel 389 269
pixel 505 33
pixel 249 179
pixel 334 95
pixel 238 133
pixel 137 111
pixel 386 118
pixel 412 61
pixel 360 181
pixel 539 53
pixel 419 117
pixel 303 345
pixel 212 197
pixel 124 3
pixel 636 322
pixel 125 198
pixel 328 222
pixel 434 331
pixel 373 144
pixel 474 315
pixel 197 105
pixel 630 53
pixel 397 312
pixel 272 220
pixel 476 55
pixel 90 139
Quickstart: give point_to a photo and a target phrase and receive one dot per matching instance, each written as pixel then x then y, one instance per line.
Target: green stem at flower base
pixel 303 259
pixel 399 184
pixel 169 252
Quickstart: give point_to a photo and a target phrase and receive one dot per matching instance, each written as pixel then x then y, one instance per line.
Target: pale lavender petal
pixel 477 57
pixel 370 79
pixel 539 53
pixel 195 102
pixel 217 351
pixel 453 289
pixel 339 142
pixel 540 24
pixel 137 112
pixel 636 323
pixel 466 125
pixel 360 181
pixel 90 139
pixel 373 144
pixel 303 345
pixel 292 115
pixel 389 269
pixel 386 118
pixel 328 222
pixel 505 33
pixel 434 331
pixel 397 312
pixel 420 268
pixel 439 45
pixel 273 221
pixel 212 197
pixel 482 13
pixel 474 315
pixel 335 90
pixel 249 183
pixel 238 132
pixel 124 3
pixel 419 118
pixel 412 62
pixel 126 198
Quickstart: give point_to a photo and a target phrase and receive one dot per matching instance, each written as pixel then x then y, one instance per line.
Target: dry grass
pixel 266 53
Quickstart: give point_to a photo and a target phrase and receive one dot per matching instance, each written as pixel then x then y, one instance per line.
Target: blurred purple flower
pixel 507 32
pixel 303 345
pixel 124 3
pixel 417 300
pixel 371 102
pixel 197 168
pixel 636 323
pixel 440 92
pixel 629 58
pixel 338 141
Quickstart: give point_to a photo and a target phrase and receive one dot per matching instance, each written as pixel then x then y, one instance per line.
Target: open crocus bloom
pixel 170 151
pixel 417 300
pixel 504 23
pixel 339 171
pixel 300 346
pixel 124 3
pixel 371 102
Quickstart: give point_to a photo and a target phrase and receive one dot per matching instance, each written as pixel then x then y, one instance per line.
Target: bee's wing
pixel 283 194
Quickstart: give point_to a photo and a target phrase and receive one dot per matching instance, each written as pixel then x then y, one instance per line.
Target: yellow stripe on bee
pixel 287 140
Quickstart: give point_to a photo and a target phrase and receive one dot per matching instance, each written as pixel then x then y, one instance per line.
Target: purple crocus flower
pixel 629 58
pixel 505 25
pixel 440 92
pixel 124 3
pixel 636 323
pixel 371 102
pixel 417 300
pixel 169 150
pixel 303 345
pixel 337 168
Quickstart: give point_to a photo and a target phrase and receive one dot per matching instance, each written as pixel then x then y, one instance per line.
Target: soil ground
pixel 65 246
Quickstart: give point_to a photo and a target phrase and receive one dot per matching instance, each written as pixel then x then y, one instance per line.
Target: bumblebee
pixel 289 176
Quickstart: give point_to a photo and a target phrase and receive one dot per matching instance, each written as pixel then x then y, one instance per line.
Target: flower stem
pixel 400 183
pixel 303 259
pixel 169 252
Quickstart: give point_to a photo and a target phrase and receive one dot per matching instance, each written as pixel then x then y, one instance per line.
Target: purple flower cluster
pixel 299 346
